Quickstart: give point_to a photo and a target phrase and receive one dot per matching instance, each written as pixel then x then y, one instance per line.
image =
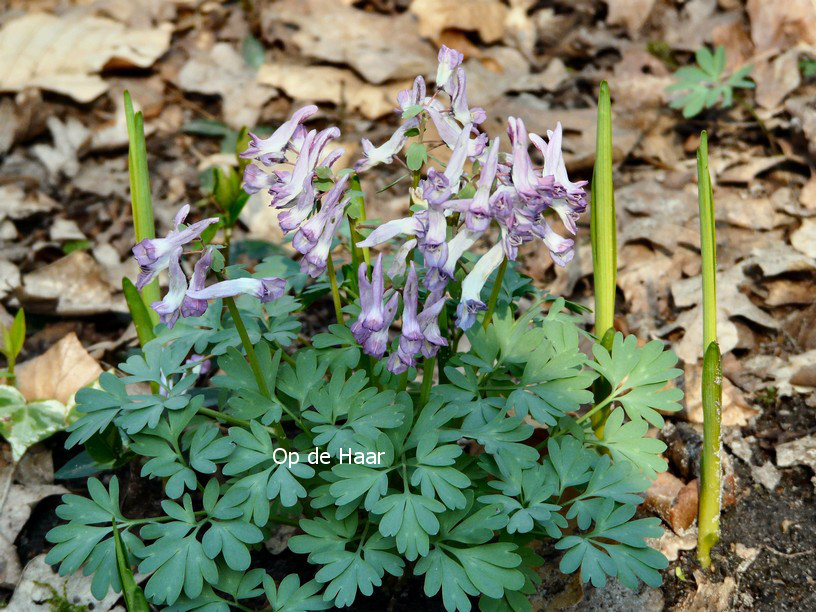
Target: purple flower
pixel 460 243
pixel 471 301
pixel 412 97
pixel 428 321
pixel 384 154
pixel 477 215
pixel 560 248
pixel 315 237
pixel 397 267
pixel 377 341
pixel 411 338
pixel 265 289
pixel 154 254
pixel 459 105
pixel 290 184
pixel 271 150
pixel 293 217
pixel 449 60
pixel 168 308
pixel 371 317
pixel 449 132
pixel 256 180
pixel 410 226
pixel 569 199
pixel 537 190
pixel 192 307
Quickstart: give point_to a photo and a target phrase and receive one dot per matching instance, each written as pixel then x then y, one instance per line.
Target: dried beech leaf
pixel 379 47
pixel 334 85
pixel 487 17
pixel 65 54
pixel 59 372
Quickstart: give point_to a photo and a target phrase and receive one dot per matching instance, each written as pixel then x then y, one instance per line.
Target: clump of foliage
pixel 706 84
pixel 394 452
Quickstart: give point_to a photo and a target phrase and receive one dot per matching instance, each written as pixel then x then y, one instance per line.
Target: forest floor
pixel 202 69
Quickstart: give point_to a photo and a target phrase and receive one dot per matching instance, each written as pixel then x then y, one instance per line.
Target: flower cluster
pixel 508 190
pixel 292 187
pixel 454 208
pixel 190 299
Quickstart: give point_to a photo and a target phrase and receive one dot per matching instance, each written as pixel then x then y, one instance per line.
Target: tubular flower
pixel 533 189
pixel 384 154
pixel 459 105
pixel 449 132
pixel 271 150
pixel 377 341
pixel 154 254
pixel 317 237
pixel 477 213
pixel 398 265
pixel 168 308
pixel 371 317
pixel 265 289
pixel 192 307
pixel 471 301
pixel 412 97
pixel 449 60
pixel 411 338
pixel 428 321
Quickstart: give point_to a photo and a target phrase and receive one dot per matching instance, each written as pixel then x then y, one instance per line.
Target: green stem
pixel 444 351
pixel 335 290
pixel 254 364
pixel 608 400
pixel 494 295
pixel 224 418
pixel 427 381
pixel 708 519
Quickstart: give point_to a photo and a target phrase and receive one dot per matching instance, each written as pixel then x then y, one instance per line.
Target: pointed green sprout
pixel 140 199
pixel 708 517
pixel 13 339
pixel 604 237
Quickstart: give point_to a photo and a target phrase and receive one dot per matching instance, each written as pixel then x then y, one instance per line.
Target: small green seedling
pixel 706 85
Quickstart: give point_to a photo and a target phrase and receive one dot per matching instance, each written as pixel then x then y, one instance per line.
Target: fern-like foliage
pixel 454 490
pixel 706 84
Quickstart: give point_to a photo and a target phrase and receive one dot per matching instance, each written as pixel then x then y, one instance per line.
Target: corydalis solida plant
pixel 423 415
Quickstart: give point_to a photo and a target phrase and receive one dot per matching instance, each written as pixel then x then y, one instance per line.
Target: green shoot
pixel 140 199
pixel 13 339
pixel 139 312
pixel 706 85
pixel 711 476
pixel 604 239
pixel 602 221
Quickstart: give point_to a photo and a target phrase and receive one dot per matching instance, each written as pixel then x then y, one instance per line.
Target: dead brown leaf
pixel 334 85
pixel 379 47
pixel 782 25
pixel 66 53
pixel 487 17
pixel 777 78
pixel 73 285
pixel 804 238
pixel 222 71
pixel 731 303
pixel 59 372
pixel 631 14
pixel 17 204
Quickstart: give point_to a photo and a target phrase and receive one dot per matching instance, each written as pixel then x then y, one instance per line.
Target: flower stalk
pixel 710 469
